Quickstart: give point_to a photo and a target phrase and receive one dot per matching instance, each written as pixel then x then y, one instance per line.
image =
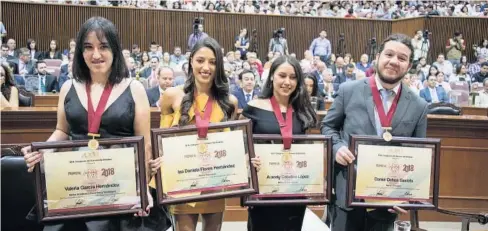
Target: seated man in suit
pixel 150 73
pixel 321 68
pixel 66 76
pixel 24 65
pixel 47 82
pixel 246 92
pixel 165 79
pixel 338 67
pixel 433 93
pixel 345 77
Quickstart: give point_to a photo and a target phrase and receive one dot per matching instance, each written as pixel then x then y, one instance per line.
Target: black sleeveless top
pixel 265 122
pixel 117 120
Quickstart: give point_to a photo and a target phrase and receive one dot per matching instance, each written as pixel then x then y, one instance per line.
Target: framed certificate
pixel 74 181
pixel 195 169
pixel 296 176
pixel 402 172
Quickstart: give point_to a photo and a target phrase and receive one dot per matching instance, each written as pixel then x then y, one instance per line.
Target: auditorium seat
pixel 53 62
pixel 26 98
pixel 444 109
pixel 55 71
pixel 18 191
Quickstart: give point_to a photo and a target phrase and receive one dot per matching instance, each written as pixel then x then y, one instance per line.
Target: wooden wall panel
pixel 408 26
pixel 172 28
pixel 442 28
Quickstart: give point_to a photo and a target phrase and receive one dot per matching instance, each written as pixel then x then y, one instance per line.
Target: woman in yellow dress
pixel 206 78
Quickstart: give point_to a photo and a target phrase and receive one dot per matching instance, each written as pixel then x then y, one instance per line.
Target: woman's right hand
pixel 256 162
pixel 155 165
pixel 31 158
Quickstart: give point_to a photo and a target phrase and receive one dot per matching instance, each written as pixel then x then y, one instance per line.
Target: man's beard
pixel 389 81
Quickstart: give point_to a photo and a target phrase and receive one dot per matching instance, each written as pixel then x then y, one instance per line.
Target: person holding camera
pixel 278 43
pixel 197 34
pixel 454 48
pixel 420 44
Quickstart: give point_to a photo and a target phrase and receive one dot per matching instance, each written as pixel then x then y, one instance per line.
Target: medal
pixel 93 143
pixel 95 116
pixel 385 119
pixel 387 136
pixel 286 155
pixel 202 148
pixel 203 122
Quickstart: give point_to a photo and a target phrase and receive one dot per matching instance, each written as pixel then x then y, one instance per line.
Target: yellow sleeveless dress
pixel 170 120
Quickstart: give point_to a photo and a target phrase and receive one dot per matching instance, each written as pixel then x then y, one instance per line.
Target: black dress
pixel 273 218
pixel 117 121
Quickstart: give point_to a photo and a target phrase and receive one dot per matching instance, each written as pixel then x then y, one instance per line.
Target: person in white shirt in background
pixel 482 99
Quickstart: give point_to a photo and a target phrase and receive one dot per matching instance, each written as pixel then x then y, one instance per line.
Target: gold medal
pixel 202 148
pixel 286 155
pixel 93 144
pixel 387 136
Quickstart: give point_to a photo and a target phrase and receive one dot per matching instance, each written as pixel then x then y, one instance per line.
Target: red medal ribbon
pixel 385 120
pixel 286 127
pixel 202 123
pixel 95 116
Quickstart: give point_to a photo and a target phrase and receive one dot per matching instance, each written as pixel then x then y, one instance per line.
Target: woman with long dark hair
pixel 100 80
pixel 284 93
pixel 10 93
pixel 34 53
pixel 206 83
pixel 53 52
pixel 312 87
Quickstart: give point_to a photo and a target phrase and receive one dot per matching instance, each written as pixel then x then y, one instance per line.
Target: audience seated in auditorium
pixel 343 77
pixel 23 65
pixel 433 93
pixel 482 99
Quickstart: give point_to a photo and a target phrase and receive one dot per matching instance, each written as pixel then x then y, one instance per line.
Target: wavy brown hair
pixel 220 85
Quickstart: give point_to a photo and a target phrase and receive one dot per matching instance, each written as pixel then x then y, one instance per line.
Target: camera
pixel 373 40
pixel 197 21
pixel 426 34
pixel 278 32
pixel 341 36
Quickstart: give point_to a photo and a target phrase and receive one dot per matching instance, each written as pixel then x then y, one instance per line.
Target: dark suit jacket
pixel 334 70
pixel 57 55
pixel 51 83
pixel 241 98
pixel 153 95
pixel 63 69
pixel 441 95
pixel 341 78
pixel 61 79
pixel 15 66
pixel 352 113
pixel 146 73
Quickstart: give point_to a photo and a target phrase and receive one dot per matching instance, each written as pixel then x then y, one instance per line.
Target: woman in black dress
pixel 285 87
pixel 312 87
pixel 98 66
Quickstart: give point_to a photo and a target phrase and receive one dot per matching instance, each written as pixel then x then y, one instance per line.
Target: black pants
pixel 359 219
pixel 275 218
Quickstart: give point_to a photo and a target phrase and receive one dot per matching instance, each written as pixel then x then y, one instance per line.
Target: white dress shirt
pixel 433 95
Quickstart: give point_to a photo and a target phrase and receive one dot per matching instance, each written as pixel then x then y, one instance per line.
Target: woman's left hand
pixel 145 213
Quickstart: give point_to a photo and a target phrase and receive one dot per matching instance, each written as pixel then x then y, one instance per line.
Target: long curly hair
pixel 220 86
pixel 9 81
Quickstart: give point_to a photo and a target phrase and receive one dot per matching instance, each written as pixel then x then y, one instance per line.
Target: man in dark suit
pixel 338 67
pixel 151 71
pixel 246 92
pixel 165 80
pixel 12 45
pixel 321 67
pixel 23 65
pixel 344 77
pixel 354 113
pixel 433 93
pixel 47 82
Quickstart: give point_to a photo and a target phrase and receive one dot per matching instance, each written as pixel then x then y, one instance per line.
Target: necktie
pixel 43 84
pixel 385 94
pixel 248 98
